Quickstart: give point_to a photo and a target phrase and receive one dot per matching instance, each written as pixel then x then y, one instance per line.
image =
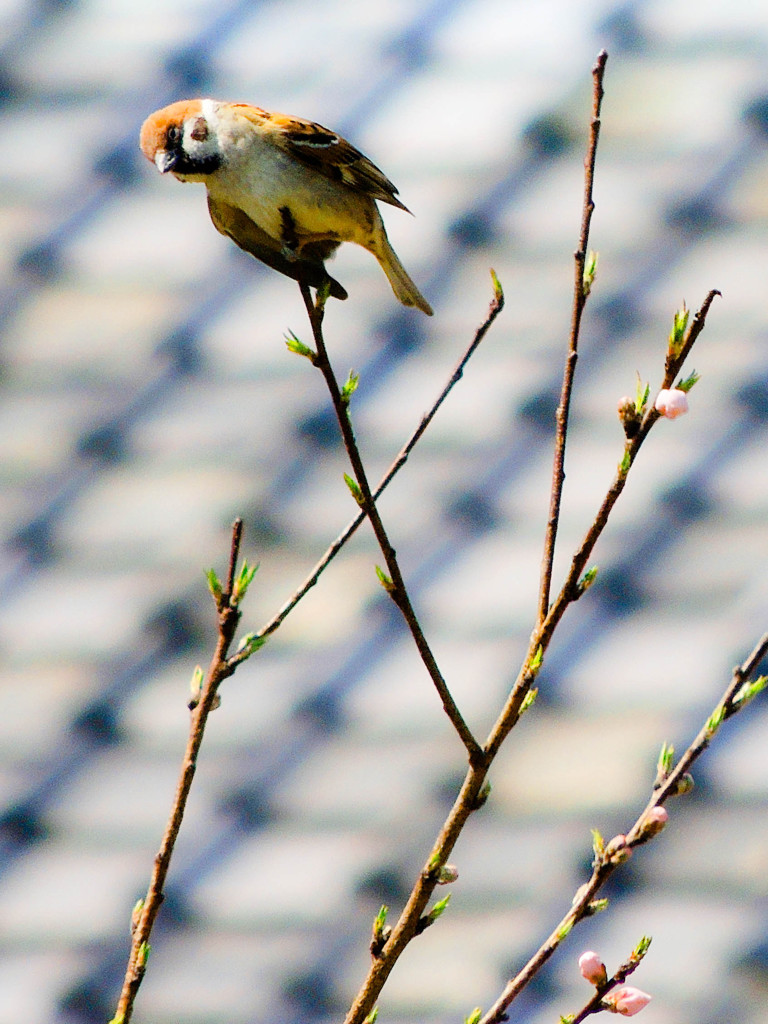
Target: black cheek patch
pixel 185 164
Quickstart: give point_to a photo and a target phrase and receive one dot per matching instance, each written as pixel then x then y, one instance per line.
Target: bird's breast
pixel 264 182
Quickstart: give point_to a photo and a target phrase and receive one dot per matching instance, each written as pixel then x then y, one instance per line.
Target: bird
pixel 286 190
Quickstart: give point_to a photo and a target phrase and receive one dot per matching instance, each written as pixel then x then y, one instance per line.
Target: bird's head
pixel 182 139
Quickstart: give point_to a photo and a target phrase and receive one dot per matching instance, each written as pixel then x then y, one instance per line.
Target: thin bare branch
pixel 579 300
pixel 617 853
pixel 229 616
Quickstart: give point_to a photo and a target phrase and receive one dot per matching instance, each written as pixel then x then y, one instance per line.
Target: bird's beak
pixel 164 160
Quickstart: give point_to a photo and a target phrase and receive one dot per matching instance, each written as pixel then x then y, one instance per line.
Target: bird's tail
pixel 403 287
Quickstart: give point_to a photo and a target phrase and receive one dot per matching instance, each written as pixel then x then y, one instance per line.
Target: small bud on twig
pixel 243 582
pixel 138 907
pixel 293 344
pixel 598 846
pixel 664 765
pixel 747 691
pixel 684 785
pixel 249 644
pixel 529 700
pixel 438 909
pixel 642 393
pixel 629 416
pixel 536 661
pixel 354 489
pixel 384 580
pixel 672 402
pixel 380 931
pixel 686 383
pixel 448 874
pixel 653 822
pixel 617 851
pixel 596 907
pixel 322 293
pixel 214 585
pixel 626 1000
pixel 592 968
pixel 483 795
pixel 587 580
pixel 590 272
pixel 196 687
pixel 677 334
pixel 349 387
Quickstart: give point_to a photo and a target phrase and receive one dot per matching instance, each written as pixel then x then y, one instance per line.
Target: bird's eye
pixel 173 135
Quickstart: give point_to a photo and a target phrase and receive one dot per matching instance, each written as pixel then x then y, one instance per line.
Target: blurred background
pixel 146 398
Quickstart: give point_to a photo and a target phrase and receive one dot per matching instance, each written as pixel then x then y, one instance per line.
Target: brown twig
pixel 579 300
pixel 573 586
pixel 396 584
pixel 219 669
pixel 618 850
pixel 594 1005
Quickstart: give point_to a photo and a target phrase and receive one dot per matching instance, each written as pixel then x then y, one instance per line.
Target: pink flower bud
pixel 626 1000
pixel 592 968
pixel 672 403
pixel 653 822
pixel 617 851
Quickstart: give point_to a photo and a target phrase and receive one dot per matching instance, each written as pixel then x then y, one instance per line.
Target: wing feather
pixel 322 150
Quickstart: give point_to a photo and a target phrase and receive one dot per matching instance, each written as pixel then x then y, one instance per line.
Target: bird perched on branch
pixel 286 190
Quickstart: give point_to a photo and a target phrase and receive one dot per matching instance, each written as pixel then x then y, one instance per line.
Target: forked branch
pixel 472 791
pixel 395 583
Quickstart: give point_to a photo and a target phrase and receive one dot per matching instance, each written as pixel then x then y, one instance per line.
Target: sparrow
pixel 286 190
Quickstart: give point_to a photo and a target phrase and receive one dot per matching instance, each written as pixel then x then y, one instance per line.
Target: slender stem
pixel 594 1005
pixel 579 301
pixel 674 362
pixel 234 552
pixel 571 590
pixel 469 799
pixel 229 616
pixel 605 865
pixel 398 591
pixel 669 786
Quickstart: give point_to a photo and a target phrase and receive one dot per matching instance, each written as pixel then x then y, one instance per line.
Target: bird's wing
pixel 322 150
